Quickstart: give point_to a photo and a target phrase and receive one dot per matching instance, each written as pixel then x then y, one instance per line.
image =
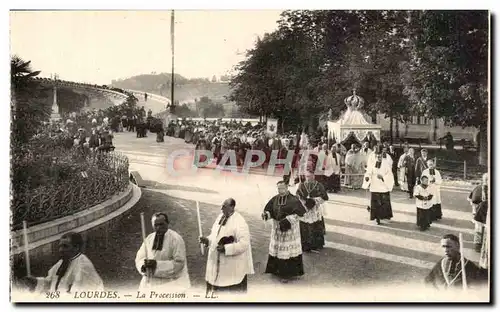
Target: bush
pixel 50 181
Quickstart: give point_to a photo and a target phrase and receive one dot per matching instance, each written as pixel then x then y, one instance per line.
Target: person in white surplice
pixel 435 182
pixel 165 267
pixel 73 272
pixel 380 181
pixel 229 252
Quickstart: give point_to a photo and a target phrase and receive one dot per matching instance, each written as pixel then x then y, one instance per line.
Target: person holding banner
pixel 73 272
pixel 161 260
pixel 285 247
pixel 448 272
pixel 229 258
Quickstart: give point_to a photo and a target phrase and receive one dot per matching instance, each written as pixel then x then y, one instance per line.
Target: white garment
pixel 423 204
pixel 327 161
pixel 317 212
pixel 372 158
pixel 236 261
pixel 375 184
pixel 285 245
pixel 171 272
pixel 304 141
pixel 436 185
pixel 80 276
pixel 401 160
pixel 337 164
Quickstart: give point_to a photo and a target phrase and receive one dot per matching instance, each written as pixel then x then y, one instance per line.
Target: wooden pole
pixel 462 262
pixel 143 228
pixel 172 43
pixel 200 230
pixel 465 170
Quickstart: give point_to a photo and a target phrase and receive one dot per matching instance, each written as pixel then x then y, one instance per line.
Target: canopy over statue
pixel 353 121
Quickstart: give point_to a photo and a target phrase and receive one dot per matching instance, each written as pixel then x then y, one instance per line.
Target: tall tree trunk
pixel 483 145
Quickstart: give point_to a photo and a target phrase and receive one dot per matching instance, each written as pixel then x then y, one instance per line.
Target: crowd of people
pixel 92 130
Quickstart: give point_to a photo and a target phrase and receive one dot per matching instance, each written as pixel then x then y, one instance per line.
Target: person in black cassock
pixel 285 247
pixel 312 194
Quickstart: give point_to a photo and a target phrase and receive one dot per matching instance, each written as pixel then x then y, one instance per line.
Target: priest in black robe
pixel 312 194
pixel 285 248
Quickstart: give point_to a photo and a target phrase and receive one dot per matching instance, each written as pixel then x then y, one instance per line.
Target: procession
pixel 296 217
pixel 329 164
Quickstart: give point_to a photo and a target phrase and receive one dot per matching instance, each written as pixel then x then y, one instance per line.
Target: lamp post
pixel 55 108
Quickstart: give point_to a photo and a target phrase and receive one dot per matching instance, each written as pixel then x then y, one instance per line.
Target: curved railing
pixel 107 175
pixel 114 92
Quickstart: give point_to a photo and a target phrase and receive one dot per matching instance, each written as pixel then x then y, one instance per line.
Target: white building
pixel 424 128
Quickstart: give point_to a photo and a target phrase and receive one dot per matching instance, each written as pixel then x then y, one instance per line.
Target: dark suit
pixel 409 164
pixel 395 158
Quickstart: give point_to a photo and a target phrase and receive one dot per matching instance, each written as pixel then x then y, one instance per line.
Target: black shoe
pixel 378 222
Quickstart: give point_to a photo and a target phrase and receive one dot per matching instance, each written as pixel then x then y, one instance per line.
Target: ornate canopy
pixel 353 121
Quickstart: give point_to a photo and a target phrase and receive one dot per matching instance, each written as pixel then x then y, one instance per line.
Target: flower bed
pixel 61 182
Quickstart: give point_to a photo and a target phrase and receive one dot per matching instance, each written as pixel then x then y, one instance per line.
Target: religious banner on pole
pixel 272 126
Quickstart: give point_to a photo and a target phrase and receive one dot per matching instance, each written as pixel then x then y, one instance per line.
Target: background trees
pixel 431 63
pixel 29 102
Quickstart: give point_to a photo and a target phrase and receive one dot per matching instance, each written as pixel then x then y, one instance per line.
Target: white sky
pixel 98 46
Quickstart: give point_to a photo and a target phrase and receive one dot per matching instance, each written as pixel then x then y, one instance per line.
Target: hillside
pixel 186 90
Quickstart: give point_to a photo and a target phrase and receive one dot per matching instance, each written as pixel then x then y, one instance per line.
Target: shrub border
pixel 46 233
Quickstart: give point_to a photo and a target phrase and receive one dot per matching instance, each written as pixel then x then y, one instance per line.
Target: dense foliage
pixel 30 105
pixel 431 63
pixel 51 177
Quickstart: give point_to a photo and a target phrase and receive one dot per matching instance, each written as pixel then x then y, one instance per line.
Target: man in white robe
pixel 403 183
pixel 73 272
pixel 229 258
pixel 326 161
pixel 435 181
pixel 336 168
pixel 161 260
pixel 380 181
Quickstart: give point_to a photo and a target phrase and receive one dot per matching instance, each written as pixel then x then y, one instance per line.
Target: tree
pixel 30 105
pixel 431 63
pixel 210 109
pixel 184 111
pixel 449 72
pixel 214 78
pixel 69 101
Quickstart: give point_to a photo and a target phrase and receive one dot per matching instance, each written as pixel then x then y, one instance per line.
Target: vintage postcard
pixel 253 156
